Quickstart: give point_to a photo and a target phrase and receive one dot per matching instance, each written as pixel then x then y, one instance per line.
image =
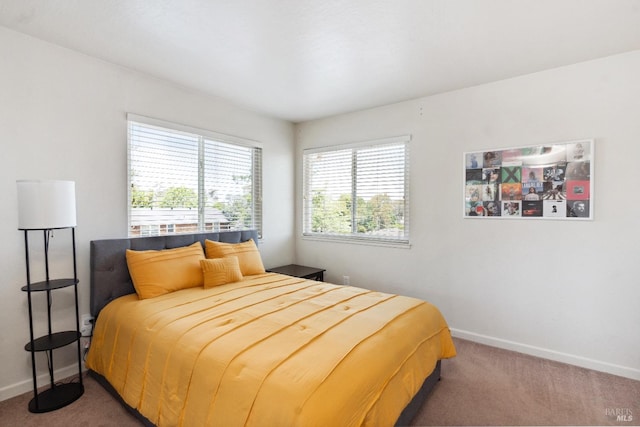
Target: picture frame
pixel 546 181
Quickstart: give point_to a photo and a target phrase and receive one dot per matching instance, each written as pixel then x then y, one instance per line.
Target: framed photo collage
pixel 552 181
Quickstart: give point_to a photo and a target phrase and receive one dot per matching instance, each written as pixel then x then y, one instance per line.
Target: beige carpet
pixel 489 386
pixel 481 386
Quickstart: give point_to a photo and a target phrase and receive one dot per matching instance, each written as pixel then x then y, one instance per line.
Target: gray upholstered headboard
pixel 109 272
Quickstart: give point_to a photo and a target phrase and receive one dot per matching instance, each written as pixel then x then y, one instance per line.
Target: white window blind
pixel 358 191
pixel 187 180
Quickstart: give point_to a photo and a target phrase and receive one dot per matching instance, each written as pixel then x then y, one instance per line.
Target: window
pixel 358 191
pixel 148 230
pixel 188 180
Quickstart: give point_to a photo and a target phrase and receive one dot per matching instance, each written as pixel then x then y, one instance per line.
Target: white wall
pixel 63 116
pixel 563 290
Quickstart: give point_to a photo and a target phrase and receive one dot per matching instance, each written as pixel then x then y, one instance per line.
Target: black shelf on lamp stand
pixel 57 395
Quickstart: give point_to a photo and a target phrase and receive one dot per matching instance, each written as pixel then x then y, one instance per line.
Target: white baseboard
pixel 545 353
pixel 43 380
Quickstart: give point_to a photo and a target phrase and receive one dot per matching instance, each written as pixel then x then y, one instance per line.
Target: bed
pixel 261 349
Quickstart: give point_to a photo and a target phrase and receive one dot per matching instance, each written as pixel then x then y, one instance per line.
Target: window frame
pixel 203 134
pixel 356 237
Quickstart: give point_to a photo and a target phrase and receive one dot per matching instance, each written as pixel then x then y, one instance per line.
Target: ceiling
pixel 306 59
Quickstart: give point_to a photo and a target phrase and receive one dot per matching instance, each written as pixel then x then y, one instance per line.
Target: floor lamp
pixel 46 205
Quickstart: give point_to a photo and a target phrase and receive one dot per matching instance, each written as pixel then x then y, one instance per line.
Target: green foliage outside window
pixel 373 216
pixel 179 197
pixel 141 198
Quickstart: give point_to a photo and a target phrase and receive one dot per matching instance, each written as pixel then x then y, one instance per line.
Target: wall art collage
pixel 553 181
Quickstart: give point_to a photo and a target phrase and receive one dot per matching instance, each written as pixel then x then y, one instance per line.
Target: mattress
pixel 270 350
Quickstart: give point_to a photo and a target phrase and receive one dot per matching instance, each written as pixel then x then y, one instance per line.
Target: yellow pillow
pixel 157 273
pixel 220 271
pixel 247 253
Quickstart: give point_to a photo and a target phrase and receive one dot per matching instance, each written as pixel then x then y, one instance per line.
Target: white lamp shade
pixel 46 204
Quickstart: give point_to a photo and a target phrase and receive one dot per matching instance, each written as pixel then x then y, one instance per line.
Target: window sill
pixel 358 241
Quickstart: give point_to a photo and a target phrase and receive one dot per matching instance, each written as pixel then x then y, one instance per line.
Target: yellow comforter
pixel 271 350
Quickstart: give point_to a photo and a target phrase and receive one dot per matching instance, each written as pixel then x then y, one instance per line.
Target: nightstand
pixel 301 271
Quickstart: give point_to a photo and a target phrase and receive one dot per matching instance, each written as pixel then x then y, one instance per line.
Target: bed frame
pixel 110 279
